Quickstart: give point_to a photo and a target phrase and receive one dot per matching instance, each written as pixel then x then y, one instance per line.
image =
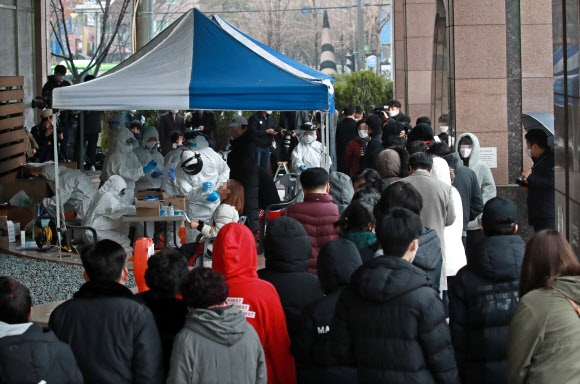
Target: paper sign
pixel 488 155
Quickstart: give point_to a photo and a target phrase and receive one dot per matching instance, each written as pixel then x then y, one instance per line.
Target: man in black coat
pixel 389 323
pixel 263 126
pixel 375 145
pixel 483 297
pixel 540 181
pixel 28 353
pixel 243 163
pixel 92 127
pixel 168 123
pixel 287 252
pixel 345 132
pixel 337 261
pixel 203 121
pixel 112 334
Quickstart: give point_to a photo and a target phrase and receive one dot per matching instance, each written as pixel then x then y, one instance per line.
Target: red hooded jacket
pixel 235 256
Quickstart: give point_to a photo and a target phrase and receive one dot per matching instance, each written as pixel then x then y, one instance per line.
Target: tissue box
pixel 7 229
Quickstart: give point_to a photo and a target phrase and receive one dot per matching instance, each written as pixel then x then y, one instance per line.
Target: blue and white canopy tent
pixel 200 63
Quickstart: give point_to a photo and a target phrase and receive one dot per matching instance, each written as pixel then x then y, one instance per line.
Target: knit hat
pixel 499 214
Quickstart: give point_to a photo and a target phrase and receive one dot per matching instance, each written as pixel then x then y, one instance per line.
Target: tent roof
pixel 198 63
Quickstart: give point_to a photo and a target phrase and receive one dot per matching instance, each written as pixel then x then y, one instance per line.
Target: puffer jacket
pixel 390 324
pixel 482 299
pixel 543 343
pixel 429 256
pixel 235 257
pixel 337 262
pixel 341 189
pixel 317 214
pixel 217 345
pixel 483 173
pixel 287 251
pixel 29 354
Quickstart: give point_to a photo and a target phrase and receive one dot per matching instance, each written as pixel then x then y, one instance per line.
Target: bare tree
pixel 113 13
pixel 166 12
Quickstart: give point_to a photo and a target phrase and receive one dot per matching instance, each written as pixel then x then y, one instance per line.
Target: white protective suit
pixel 215 170
pixel 145 155
pixel 123 162
pixel 104 212
pixel 309 155
pixel 75 189
pixel 172 160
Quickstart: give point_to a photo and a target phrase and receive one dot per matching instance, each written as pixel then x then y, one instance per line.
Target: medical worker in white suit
pixel 308 152
pixel 105 211
pixel 75 189
pixel 123 162
pixel 200 173
pixel 147 152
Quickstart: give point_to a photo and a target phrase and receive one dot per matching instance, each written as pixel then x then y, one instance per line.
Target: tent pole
pixel 81 162
pixel 56 175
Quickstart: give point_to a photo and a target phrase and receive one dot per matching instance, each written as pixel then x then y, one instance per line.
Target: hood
pixel 385 278
pixel 441 170
pixel 48 171
pixel 341 188
pixel 286 246
pixel 499 258
pixel 392 128
pixel 389 163
pixel 148 133
pixel 337 261
pixel 569 286
pixel 225 327
pixel 429 254
pixel 115 184
pixel 234 252
pixel 474 157
pixel 123 135
pixel 13 329
pixel 198 143
pixel 453 160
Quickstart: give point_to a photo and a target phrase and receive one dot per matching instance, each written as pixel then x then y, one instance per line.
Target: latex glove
pixel 207 186
pixel 156 174
pixel 302 168
pixel 214 196
pixel 150 167
pixel 46 201
pixel 171 173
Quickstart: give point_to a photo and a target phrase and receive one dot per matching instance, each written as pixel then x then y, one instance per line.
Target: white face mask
pixel 175 111
pixel 180 143
pixel 393 112
pixel 529 152
pixel 363 133
pixel 308 139
pixel 443 128
pixel 133 110
pixel 151 144
pixel 465 152
pixel 269 112
pixel 356 118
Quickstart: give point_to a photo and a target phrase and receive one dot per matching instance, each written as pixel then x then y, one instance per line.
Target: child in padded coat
pixel 308 153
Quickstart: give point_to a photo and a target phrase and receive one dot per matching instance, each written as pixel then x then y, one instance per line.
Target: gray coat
pixel 217 346
pixel 483 173
pixel 438 211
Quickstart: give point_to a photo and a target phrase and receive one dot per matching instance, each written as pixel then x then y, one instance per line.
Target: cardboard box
pixel 177 202
pixel 161 194
pixel 147 207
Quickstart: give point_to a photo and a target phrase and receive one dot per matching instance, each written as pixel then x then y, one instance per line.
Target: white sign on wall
pixel 488 155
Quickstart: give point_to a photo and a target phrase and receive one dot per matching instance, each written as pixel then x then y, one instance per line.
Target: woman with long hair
pixel 543 342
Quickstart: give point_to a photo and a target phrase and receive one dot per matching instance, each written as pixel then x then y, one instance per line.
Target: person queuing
pixel 346 131
pixel 356 148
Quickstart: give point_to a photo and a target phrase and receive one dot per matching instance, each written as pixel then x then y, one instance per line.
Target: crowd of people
pixel 402 266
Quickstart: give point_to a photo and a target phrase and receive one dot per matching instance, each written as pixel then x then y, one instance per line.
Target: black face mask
pixel 137 136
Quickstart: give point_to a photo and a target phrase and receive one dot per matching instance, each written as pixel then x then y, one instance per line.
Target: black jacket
pixel 259 124
pixel 167 125
pixel 112 334
pixel 429 257
pixel 243 163
pixel 541 206
pixel 287 251
pixel 49 86
pixel 37 355
pixel 482 299
pixel 390 324
pixel 92 122
pixel 468 188
pixel 169 313
pixel 337 261
pixel 345 132
pixel 205 118
pixel 267 192
pixel 367 253
pixel 374 147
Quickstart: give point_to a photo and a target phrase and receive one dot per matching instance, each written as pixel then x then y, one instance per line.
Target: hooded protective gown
pixel 235 256
pixel 75 189
pixel 171 160
pixel 215 170
pixel 145 155
pixel 104 212
pixel 123 162
pixel 309 155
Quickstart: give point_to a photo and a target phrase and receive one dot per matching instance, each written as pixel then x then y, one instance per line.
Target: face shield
pixel 131 142
pixel 191 162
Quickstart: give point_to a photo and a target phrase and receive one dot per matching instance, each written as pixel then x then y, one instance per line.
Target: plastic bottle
pixel 169 211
